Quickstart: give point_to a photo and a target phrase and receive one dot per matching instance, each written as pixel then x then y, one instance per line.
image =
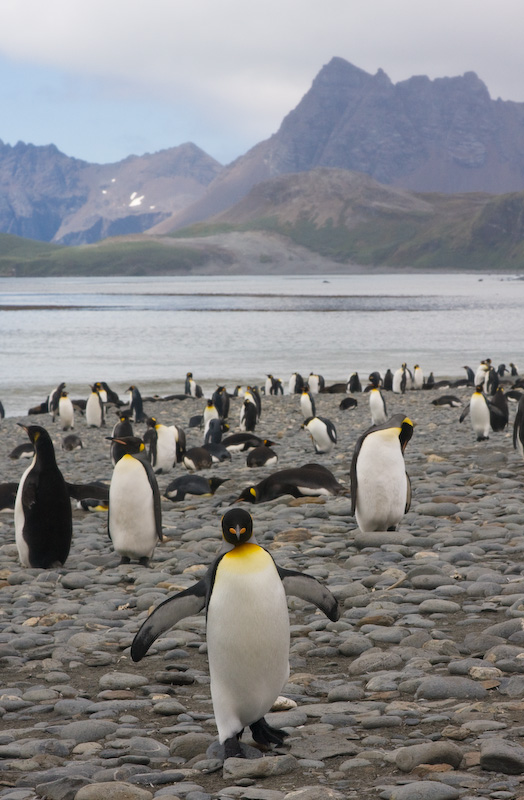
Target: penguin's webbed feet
pixel 232 748
pixel 263 733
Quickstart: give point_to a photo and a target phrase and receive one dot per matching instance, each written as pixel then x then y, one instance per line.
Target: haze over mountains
pixel 445 135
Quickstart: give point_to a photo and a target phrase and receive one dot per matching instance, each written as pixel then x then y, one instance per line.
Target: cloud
pixel 234 68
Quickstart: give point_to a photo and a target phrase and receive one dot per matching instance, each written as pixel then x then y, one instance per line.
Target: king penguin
pixel 247 630
pixel 323 433
pixel 66 412
pixel 136 405
pixel 162 446
pixel 478 409
pixel 43 516
pixel 380 487
pixel 95 409
pixel 135 515
pixel 307 403
pixel 377 402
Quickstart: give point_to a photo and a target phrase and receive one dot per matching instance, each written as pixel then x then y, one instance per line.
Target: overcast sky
pixel 103 79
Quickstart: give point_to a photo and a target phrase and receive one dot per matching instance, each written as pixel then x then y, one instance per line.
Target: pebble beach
pixel 415 693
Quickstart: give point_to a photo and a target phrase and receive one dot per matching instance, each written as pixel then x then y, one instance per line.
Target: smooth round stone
pixel 423 790
pixel 442 688
pixel 116 790
pixel 439 606
pixel 438 509
pixel 87 730
pixel 122 680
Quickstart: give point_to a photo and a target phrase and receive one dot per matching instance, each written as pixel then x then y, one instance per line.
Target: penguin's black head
pixel 269 443
pixel 237 526
pixel 406 432
pixel 132 444
pixel 36 433
pixel 151 422
pixel 247 495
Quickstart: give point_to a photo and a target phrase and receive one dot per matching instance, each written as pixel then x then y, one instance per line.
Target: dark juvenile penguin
pixel 518 428
pixel 323 433
pixel 192 485
pixel 72 442
pixel 380 487
pixel 43 516
pixel 470 376
pixel 135 515
pixel 388 381
pixel 310 480
pixel 220 400
pixel 247 630
pixel 261 457
pixel 136 405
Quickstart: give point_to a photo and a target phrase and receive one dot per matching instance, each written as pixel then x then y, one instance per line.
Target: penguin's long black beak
pixel 21 424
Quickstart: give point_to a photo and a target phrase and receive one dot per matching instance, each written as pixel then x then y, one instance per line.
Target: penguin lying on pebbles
pixel 247 630
pixel 43 515
pixel 311 480
pixel 72 442
pixel 192 485
pixel 135 516
pixel 447 400
pixel 261 457
pixel 380 487
pixel 243 442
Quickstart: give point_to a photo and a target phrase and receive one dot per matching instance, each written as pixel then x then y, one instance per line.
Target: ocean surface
pixel 234 329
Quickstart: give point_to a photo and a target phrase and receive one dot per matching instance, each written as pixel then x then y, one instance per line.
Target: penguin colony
pixel 247 650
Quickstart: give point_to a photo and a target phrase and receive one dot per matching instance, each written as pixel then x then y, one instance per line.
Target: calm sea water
pixel 151 331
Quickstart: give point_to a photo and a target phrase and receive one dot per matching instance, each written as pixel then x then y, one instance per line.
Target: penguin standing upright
pixel 192 388
pixel 478 410
pixel 220 400
pixel 418 377
pixel 248 415
pixel 377 402
pixel 400 380
pixel 388 381
pixel 66 412
pixel 354 385
pixel 323 433
pixel 296 383
pixel 247 630
pixel 95 416
pixel 135 515
pixel 122 428
pixel 470 375
pixel 498 410
pixel 54 399
pixel 136 405
pixel 380 487
pixel 316 383
pixel 210 412
pixel 482 373
pixel 307 403
pixel 43 516
pixel 162 446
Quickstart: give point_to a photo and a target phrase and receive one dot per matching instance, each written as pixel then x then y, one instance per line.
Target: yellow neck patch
pixel 246 558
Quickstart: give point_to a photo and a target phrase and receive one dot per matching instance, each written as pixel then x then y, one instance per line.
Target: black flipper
pixel 464 413
pixel 263 733
pixel 184 604
pixel 310 590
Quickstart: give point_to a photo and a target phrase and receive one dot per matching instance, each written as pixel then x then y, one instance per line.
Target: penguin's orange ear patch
pixel 253 491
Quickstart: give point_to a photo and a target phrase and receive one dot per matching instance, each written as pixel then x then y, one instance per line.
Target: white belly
pixel 248 642
pixel 131 510
pixel 66 413
pixel 376 407
pixel 21 544
pixel 479 413
pixel 165 448
pixel 382 484
pixel 93 411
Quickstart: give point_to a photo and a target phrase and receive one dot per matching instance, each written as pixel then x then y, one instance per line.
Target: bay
pixel 236 329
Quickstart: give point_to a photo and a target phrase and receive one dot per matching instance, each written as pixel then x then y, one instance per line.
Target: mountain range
pixel 357 148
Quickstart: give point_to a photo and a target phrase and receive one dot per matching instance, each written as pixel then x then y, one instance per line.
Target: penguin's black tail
pixel 264 734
